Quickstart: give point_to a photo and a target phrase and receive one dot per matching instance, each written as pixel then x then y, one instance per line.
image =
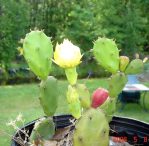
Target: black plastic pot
pixel 133 131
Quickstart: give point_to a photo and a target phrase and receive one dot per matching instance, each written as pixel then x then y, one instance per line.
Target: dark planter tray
pixel 132 131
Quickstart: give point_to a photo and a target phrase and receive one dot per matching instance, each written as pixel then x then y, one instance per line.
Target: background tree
pixel 13 25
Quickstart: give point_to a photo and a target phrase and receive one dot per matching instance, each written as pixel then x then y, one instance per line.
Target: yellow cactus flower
pixel 67 55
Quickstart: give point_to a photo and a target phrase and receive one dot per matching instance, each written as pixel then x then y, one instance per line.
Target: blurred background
pixel 126 21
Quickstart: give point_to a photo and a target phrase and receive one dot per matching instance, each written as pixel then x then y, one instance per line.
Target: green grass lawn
pixel 24 99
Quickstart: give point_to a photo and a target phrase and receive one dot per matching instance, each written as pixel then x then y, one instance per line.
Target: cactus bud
pixel 99 96
pixel 124 60
pixel 67 55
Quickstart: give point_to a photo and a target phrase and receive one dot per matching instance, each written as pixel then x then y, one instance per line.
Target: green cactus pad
pixel 75 109
pixel 84 95
pixel 116 84
pixel 107 54
pixel 109 108
pixel 38 52
pixel 124 61
pixel 72 94
pixel 44 129
pixel 92 129
pixel 49 95
pixel 135 67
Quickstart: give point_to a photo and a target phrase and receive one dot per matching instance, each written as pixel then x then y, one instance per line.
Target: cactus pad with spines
pixel 44 129
pixel 75 108
pixel 107 54
pixel 124 61
pixel 116 84
pixel 135 67
pixel 109 108
pixel 38 52
pixel 84 95
pixel 92 129
pixel 74 104
pixel 49 93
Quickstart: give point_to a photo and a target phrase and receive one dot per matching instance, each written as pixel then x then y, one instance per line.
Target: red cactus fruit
pixel 99 96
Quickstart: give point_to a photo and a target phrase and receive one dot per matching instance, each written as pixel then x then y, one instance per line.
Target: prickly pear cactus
pixel 84 95
pixel 74 104
pixel 109 108
pixel 92 129
pixel 135 67
pixel 75 108
pixel 124 61
pixel 107 54
pixel 71 75
pixel 38 52
pixel 116 84
pixel 49 93
pixel 44 129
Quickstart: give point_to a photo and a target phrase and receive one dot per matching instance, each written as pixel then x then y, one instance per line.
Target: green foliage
pixel 123 21
pixel 81 21
pixel 13 24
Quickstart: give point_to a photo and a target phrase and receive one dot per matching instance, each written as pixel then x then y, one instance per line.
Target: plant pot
pixel 121 129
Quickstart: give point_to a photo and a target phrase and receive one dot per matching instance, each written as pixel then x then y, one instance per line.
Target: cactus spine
pixel 38 51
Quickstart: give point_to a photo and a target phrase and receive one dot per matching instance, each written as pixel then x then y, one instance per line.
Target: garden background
pixel 126 21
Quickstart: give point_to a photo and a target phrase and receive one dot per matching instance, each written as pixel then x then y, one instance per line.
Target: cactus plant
pixel 49 93
pixel 73 102
pixel 84 95
pixel 135 67
pixel 92 113
pixel 107 54
pixel 44 129
pixel 109 108
pixel 117 83
pixel 124 61
pixel 92 129
pixel 38 52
